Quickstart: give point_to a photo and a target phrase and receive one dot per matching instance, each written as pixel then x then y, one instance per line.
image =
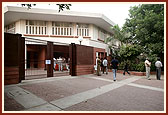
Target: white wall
pixel 20 28
pixel 95 33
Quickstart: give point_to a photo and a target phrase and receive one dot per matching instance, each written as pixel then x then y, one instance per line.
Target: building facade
pixel 61 28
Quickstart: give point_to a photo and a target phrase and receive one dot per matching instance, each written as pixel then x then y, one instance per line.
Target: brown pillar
pixel 50 57
pixel 72 55
pixel 21 58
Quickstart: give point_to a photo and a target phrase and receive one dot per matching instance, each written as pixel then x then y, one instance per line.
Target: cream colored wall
pixel 20 26
pixel 93 33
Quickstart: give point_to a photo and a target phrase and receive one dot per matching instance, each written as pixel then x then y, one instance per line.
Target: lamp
pixel 80 39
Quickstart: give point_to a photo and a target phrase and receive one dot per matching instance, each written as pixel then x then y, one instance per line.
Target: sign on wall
pixel 47 61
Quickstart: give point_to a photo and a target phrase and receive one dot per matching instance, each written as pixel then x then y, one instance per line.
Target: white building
pixel 61 27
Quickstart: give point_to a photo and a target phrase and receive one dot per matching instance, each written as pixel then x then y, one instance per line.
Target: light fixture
pixel 80 39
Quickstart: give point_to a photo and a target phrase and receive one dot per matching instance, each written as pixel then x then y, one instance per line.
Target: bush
pixel 140 67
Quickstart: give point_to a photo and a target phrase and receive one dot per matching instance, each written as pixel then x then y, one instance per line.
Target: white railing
pixel 36 30
pixel 83 32
pixel 62 31
pixel 11 30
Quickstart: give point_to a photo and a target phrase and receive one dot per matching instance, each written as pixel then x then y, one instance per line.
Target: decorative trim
pixel 56 36
pixel 100 40
pixel 62 36
pixel 36 35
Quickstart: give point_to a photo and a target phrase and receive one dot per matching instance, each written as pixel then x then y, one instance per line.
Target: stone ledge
pixel 136 73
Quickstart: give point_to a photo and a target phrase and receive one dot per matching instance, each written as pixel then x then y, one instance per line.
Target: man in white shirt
pixel 105 65
pixel 158 65
pixel 147 65
pixel 60 63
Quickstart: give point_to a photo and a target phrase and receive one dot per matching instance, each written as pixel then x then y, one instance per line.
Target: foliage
pixel 29 6
pixel 146 25
pixel 142 36
pixel 140 67
pixel 118 34
pixel 61 6
pixel 129 52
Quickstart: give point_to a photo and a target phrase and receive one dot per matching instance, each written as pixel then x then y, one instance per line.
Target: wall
pixel 84 60
pixel 13 58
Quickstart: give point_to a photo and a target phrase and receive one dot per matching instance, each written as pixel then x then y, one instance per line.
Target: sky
pixel 116 12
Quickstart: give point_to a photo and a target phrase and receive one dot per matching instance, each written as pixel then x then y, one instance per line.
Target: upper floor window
pixel 36 27
pixel 62 28
pixel 102 34
pixel 82 29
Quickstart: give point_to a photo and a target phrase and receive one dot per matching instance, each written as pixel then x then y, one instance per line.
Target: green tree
pixel 61 6
pixel 146 25
pixel 118 34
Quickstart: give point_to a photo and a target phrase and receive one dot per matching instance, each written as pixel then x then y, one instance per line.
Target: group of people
pixel 158 65
pixel 102 64
pixel 60 64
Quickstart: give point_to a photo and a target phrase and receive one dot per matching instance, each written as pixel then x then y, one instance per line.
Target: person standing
pixel 114 64
pixel 98 66
pixel 105 65
pixel 147 65
pixel 54 64
pixel 101 66
pixel 158 65
pixel 126 69
pixel 60 63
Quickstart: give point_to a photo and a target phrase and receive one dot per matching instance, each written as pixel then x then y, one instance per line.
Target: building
pixel 61 28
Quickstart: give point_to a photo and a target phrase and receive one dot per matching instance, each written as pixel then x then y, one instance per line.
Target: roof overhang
pixel 12 14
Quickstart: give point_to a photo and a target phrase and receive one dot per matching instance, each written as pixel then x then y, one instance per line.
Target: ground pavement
pixel 86 93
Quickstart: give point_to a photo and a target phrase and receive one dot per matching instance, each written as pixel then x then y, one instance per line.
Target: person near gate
pixel 114 64
pixel 147 65
pixel 105 65
pixel 101 66
pixel 60 63
pixel 158 65
pixel 98 66
pixel 54 63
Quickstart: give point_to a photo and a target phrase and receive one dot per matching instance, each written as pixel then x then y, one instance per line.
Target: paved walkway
pixel 86 93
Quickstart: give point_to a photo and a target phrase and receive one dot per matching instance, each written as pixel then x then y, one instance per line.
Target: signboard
pixel 47 61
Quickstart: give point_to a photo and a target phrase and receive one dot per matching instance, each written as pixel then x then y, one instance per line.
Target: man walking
pixel 126 69
pixel 158 65
pixel 114 64
pixel 105 65
pixel 147 65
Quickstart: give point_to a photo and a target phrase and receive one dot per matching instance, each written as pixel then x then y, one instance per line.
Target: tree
pixel 118 34
pixel 61 6
pixel 146 25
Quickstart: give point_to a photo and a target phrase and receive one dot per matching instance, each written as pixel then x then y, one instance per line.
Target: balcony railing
pixel 62 31
pixel 36 30
pixel 83 31
pixel 58 31
pixel 11 30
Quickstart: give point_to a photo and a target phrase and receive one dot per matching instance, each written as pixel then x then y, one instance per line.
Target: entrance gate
pixel 39 61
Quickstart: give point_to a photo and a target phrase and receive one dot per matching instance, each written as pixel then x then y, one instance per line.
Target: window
pixel 62 28
pixel 102 34
pixel 36 27
pixel 82 29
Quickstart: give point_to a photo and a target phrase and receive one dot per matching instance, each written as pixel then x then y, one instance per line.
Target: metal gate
pixel 35 58
pixel 38 52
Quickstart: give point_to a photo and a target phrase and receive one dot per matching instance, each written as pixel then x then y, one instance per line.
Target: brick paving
pixel 124 98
